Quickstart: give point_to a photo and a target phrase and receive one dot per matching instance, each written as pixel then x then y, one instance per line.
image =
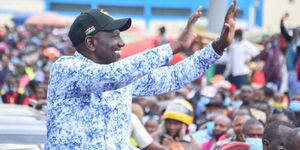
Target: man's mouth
pixel 118 53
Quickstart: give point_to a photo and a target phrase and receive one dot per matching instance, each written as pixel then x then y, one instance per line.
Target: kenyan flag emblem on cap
pixel 90 30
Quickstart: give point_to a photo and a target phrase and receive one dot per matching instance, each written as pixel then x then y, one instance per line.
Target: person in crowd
pixel 176 118
pixel 5 71
pixel 293 48
pixel 292 140
pixel 278 117
pixel 252 133
pixel 12 95
pixel 246 95
pixel 263 94
pixel 238 123
pixel 140 138
pixel 205 130
pixel 275 134
pixel 36 92
pixel 161 39
pixel 271 56
pixel 294 106
pixel 151 125
pixel 215 106
pixel 138 111
pixel 278 104
pixel 263 106
pixel 221 125
pixel 239 53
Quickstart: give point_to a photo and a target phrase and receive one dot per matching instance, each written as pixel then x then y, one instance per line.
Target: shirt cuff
pixel 212 51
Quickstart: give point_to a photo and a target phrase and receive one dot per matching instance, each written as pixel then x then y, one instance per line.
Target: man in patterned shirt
pixel 90 93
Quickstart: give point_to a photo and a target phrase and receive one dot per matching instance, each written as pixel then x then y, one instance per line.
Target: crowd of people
pixel 27 53
pixel 231 112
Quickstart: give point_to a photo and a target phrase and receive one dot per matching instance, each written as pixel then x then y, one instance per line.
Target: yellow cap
pixel 179 110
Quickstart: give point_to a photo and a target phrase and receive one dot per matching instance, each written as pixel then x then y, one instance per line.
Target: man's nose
pixel 121 43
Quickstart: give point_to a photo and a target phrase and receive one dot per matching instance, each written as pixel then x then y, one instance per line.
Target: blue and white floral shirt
pixel 89 104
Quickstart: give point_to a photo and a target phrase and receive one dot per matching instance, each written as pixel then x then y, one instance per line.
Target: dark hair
pixel 162 30
pixel 260 103
pixel 243 108
pixel 268 91
pixel 274 117
pixel 291 139
pixel 238 33
pixel 250 122
pixel 33 85
pixel 271 132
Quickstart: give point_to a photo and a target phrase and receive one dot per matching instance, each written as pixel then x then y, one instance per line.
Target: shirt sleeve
pixel 79 76
pixel 139 133
pixel 250 49
pixel 284 32
pixel 171 78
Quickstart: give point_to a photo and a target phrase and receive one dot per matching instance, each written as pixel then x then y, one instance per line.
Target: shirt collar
pixel 81 57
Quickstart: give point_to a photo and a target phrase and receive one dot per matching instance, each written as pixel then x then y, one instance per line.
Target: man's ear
pixel 89 43
pixel 266 144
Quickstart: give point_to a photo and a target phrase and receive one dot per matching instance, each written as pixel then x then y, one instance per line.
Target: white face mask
pixel 255 143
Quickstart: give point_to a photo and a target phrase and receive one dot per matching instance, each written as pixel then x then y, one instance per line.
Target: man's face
pixel 262 107
pixel 254 131
pixel 107 46
pixel 238 123
pixel 173 127
pixel 41 93
pixel 277 142
pixel 221 126
pixel 246 93
pixel 259 95
pixel 278 97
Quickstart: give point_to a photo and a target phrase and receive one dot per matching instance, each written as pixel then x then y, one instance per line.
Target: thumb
pixel 226 29
pixel 194 36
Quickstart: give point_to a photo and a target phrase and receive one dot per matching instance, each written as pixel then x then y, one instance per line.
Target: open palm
pixel 227 33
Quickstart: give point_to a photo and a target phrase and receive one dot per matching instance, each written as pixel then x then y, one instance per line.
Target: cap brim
pixel 121 24
pixel 220 105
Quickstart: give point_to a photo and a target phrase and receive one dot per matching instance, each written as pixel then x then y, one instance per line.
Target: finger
pixel 234 3
pixel 236 13
pixel 226 30
pixel 231 8
pixel 194 36
pixel 195 16
pixel 230 11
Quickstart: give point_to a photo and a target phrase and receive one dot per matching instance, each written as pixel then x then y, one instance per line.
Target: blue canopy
pixel 20 18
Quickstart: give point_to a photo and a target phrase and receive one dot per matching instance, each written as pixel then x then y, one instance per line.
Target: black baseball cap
pixel 92 21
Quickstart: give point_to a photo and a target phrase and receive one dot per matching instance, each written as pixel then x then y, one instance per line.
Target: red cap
pixel 235 146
